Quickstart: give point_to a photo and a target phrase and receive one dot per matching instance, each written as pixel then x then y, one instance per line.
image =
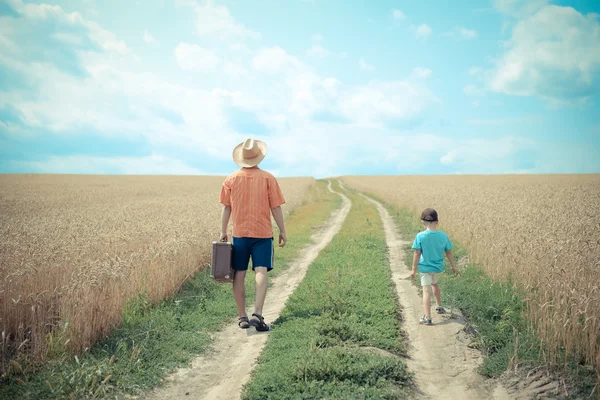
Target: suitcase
pixel 221 269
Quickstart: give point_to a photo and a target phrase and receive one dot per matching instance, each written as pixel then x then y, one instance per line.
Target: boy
pixel 429 247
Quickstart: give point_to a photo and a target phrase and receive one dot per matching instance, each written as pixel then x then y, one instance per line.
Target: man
pixel 249 196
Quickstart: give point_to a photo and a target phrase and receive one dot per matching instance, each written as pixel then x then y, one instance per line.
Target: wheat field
pixel 74 249
pixel 541 232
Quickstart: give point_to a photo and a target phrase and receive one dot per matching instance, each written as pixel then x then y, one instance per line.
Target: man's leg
pixel 239 292
pixel 262 263
pixel 261 289
pixel 241 258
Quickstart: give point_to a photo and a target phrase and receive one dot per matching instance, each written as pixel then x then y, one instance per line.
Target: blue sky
pixel 332 87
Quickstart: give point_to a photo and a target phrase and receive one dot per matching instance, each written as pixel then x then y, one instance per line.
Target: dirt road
pixel 443 364
pixel 221 374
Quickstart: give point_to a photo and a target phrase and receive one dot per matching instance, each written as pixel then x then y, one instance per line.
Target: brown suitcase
pixel 221 269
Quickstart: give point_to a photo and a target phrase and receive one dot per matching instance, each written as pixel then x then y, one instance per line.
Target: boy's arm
pixel 416 258
pixel 451 259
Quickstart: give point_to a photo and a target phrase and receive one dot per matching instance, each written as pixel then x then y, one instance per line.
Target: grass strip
pixel 154 339
pixel 496 313
pixel 339 334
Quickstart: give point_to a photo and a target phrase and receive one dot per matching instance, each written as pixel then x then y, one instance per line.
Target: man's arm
pixel 415 264
pixel 278 216
pixel 225 215
pixel 451 259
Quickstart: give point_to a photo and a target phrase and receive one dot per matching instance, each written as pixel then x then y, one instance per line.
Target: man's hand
pixel 413 273
pixel 226 213
pixel 282 239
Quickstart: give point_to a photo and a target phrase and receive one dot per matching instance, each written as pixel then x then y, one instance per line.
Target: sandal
pixel 244 323
pixel 258 322
pixel 440 310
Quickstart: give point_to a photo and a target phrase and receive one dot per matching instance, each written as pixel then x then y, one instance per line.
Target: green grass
pixel 495 311
pixel 154 339
pixel 339 334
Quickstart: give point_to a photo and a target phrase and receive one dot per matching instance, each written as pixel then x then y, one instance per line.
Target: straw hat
pixel 250 153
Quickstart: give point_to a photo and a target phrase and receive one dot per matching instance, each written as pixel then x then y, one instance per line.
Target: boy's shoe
pixel 440 310
pixel 425 321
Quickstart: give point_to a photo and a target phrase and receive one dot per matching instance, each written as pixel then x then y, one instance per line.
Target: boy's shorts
pixel 428 278
pixel 260 250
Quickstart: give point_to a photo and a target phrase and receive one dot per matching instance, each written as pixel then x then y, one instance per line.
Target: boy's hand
pixel 413 274
pixel 224 237
pixel 456 272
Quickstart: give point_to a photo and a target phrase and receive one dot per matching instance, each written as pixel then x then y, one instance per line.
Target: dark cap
pixel 429 215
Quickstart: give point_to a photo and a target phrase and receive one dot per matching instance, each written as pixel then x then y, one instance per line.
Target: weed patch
pixel 346 306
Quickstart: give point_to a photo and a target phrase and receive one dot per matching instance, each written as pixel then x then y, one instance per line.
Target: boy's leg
pixel 427 280
pixel 438 294
pixel 427 301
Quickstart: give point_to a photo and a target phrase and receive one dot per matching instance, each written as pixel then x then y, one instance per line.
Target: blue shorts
pixel 260 250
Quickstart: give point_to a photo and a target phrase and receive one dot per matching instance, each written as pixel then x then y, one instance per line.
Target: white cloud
pixel 421 73
pixel 309 93
pixel 397 153
pixel 473 90
pixel 235 70
pixel 302 108
pixel 423 31
pixel 331 86
pixel 239 48
pixel 448 158
pixel 462 33
pixel 374 104
pixel 148 38
pixel 487 155
pixel 42 12
pixel 475 71
pixel 275 59
pixel 553 54
pixel 467 33
pixel 398 15
pixel 68 38
pixel 364 66
pixel 318 51
pixel 217 22
pixel 505 121
pixel 519 8
pixel 193 57
pixel 154 164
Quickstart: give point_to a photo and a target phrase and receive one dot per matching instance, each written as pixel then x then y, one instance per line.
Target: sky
pixel 333 87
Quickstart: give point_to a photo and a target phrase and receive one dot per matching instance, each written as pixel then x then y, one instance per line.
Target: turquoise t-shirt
pixel 433 245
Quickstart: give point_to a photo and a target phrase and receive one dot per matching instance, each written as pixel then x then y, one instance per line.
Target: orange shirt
pixel 251 193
